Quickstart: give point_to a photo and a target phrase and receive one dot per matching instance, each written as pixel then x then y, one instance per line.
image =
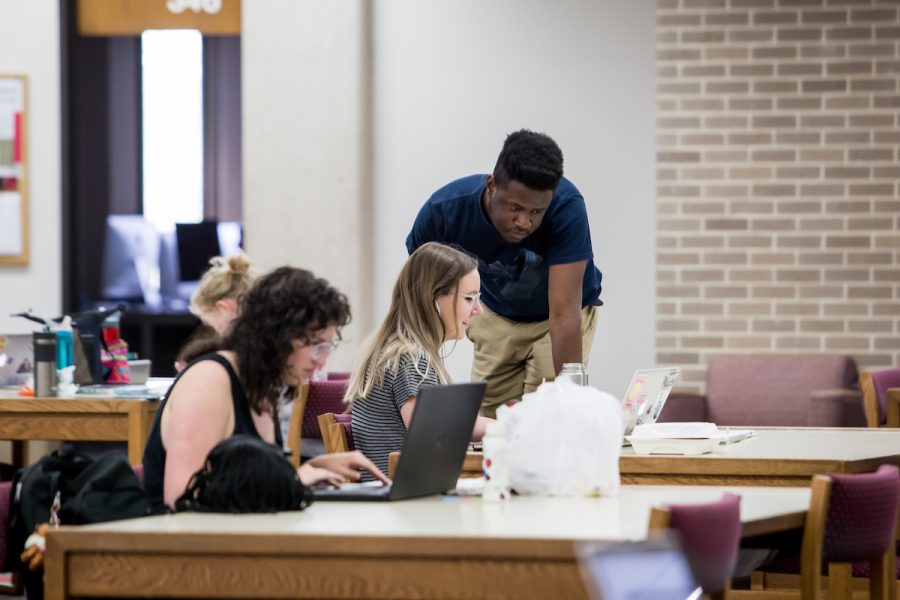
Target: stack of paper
pixel 683 438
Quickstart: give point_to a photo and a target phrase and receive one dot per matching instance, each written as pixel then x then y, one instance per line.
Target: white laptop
pixel 646 395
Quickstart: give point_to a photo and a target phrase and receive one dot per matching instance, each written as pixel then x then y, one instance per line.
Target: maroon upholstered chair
pixel 324 397
pixel 139 471
pixel 877 392
pixel 850 531
pixel 337 375
pixel 10 583
pixel 5 500
pixel 774 389
pixel 710 536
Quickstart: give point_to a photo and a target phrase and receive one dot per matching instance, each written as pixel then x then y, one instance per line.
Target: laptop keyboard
pixel 369 489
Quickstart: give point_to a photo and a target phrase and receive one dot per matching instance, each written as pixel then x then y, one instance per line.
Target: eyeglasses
pixel 323 349
pixel 471 298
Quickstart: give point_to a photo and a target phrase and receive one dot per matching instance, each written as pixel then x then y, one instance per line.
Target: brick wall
pixel 778 173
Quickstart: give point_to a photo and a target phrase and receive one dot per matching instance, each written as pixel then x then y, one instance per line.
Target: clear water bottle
pixel 574 372
pixel 495 463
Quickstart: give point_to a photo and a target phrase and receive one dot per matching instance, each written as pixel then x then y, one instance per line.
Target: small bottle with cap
pixel 495 463
pixel 64 344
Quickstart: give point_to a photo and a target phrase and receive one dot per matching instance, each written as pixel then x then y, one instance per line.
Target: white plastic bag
pixel 564 440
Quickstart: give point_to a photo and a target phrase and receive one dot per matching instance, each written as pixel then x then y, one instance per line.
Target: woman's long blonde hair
pixel 226 278
pixel 413 325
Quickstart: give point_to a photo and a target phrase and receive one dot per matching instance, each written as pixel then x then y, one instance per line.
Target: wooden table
pixel 77 419
pixel 425 548
pixel 777 456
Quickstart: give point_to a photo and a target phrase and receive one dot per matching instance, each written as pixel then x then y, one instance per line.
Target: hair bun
pixel 239 264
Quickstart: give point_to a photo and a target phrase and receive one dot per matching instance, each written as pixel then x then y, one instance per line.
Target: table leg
pixel 19 453
pixel 139 418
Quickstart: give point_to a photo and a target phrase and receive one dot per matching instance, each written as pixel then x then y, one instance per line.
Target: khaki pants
pixel 514 358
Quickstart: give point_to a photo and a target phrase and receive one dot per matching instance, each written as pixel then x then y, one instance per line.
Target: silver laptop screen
pixel 16 356
pixel 646 395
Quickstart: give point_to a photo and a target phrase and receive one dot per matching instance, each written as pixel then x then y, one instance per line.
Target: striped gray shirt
pixel 378 428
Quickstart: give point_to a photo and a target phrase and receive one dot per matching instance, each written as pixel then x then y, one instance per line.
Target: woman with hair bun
pixel 215 302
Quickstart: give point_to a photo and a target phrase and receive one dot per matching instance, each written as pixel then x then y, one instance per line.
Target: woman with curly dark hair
pixel 288 324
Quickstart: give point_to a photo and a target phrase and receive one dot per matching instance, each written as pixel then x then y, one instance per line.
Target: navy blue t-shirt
pixel 514 277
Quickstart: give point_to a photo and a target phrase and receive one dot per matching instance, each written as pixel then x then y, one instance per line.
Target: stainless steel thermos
pixel 44 364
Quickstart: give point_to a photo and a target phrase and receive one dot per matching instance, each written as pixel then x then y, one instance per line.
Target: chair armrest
pixel 684 408
pixel 893 407
pixel 326 420
pixel 869 399
pixel 836 408
pixel 393 458
pixel 339 441
pixel 296 423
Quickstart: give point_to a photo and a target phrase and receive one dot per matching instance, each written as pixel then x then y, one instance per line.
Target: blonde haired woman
pixel 434 299
pixel 215 300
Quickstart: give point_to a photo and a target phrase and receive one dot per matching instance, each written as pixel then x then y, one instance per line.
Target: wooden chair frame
pixel 296 423
pixel 893 407
pixel 393 459
pixel 870 402
pixel 882 580
pixel 334 436
pixel 660 519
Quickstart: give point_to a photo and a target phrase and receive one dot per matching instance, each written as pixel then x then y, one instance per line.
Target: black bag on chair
pixel 82 490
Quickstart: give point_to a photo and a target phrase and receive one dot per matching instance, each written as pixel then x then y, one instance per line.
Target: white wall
pixel 29 44
pixel 453 77
pixel 306 147
pixel 450 78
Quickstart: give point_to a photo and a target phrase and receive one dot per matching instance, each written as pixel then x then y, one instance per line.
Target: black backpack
pixel 244 474
pixel 87 491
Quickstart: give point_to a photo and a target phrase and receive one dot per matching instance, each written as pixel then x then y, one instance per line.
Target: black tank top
pixel 155 453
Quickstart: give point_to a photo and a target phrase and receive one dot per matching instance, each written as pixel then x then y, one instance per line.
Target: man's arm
pixel 564 295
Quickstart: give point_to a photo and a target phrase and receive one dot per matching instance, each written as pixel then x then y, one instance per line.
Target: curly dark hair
pixel 285 305
pixel 533 159
pixel 243 474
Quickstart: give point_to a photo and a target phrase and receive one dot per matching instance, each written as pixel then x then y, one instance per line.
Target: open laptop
pixel 646 395
pixel 651 569
pixel 434 448
pixel 16 360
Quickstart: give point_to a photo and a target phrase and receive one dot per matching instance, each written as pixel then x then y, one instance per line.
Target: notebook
pixel 154 388
pixel 434 448
pixel 646 395
pixel 16 360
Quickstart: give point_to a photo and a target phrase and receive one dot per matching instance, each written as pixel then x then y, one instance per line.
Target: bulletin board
pixel 13 169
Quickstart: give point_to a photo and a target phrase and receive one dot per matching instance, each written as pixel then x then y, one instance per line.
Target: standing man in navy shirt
pixel 528 227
